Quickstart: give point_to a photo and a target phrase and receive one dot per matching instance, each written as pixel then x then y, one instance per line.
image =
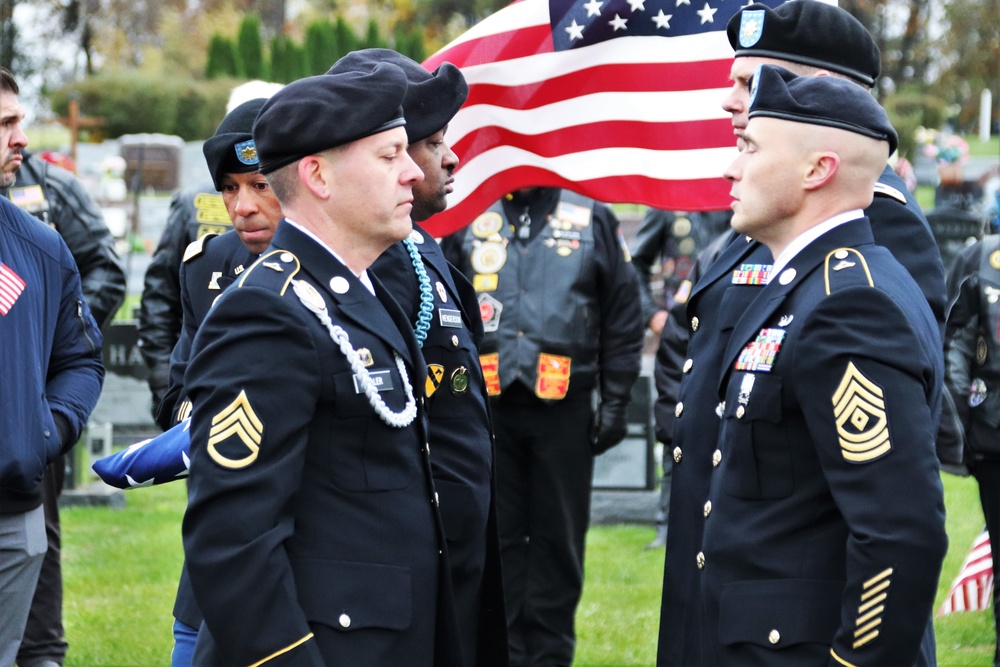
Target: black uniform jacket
pixel 716 303
pixel 312 535
pixel 824 521
pixel 460 436
pixel 717 300
pixel 210 264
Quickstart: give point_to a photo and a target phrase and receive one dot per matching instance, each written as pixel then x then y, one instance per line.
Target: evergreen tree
pixel 250 48
pixel 320 47
pixel 279 59
pixel 221 61
pixel 373 40
pixel 347 41
pixel 296 62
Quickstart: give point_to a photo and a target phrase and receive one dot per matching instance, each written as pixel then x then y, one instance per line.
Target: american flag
pixel 972 589
pixel 11 286
pixel 619 100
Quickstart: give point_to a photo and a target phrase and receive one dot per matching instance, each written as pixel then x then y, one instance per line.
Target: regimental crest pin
pixel 751 27
pixel 246 152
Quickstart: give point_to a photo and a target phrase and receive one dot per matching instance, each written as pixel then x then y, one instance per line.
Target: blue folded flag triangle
pixel 154 461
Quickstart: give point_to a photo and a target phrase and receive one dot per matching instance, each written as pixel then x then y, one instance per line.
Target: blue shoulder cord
pixel 423 323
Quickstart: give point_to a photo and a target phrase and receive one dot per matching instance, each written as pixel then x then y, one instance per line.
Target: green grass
pixel 121 567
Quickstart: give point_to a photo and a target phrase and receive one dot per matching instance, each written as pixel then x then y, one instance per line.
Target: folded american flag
pixel 972 589
pixel 154 461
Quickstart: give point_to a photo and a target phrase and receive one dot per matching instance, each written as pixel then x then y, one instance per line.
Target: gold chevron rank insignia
pixel 236 419
pixel 435 373
pixel 859 411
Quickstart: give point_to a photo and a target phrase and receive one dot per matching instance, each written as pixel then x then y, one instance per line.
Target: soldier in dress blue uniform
pixel 442 305
pixel 824 522
pixel 810 38
pixel 194 212
pixel 214 261
pixel 312 534
pixel 559 302
pixel 210 265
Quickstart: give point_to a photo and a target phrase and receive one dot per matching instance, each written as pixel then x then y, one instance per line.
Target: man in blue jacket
pixel 51 365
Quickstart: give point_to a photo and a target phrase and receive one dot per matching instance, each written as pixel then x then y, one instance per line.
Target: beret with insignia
pixel 317 113
pixel 808 32
pixel 819 100
pixel 431 101
pixel 231 149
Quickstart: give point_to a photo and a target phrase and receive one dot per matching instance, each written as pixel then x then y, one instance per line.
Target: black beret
pixel 819 100
pixel 317 113
pixel 231 149
pixel 808 32
pixel 432 100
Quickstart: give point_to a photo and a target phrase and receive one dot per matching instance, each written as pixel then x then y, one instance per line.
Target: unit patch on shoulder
pixel 234 439
pixel 197 247
pixel 859 412
pixel 889 191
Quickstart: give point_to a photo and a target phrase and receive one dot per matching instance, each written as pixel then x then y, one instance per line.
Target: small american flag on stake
pixel 11 286
pixel 620 100
pixel 972 589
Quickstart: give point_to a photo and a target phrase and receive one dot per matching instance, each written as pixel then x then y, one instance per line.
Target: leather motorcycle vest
pixel 538 300
pixel 984 395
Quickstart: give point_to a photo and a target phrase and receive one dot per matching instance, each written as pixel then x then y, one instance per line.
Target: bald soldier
pixel 824 521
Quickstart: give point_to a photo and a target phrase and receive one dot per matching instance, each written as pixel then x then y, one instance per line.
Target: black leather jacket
pixel 65 205
pixel 193 213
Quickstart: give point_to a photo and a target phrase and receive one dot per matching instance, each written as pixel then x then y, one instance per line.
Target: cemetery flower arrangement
pixel 944 147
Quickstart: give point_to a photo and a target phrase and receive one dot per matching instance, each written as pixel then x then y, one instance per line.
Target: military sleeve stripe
pixel 283 651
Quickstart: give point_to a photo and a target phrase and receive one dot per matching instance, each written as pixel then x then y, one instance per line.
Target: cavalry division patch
pixel 237 420
pixel 435 373
pixel 859 412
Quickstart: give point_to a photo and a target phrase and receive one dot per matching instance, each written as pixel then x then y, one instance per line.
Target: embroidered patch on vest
pixel 553 376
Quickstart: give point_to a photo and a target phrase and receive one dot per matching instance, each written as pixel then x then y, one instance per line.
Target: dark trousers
pixel 43 636
pixel 544 473
pixel 987 474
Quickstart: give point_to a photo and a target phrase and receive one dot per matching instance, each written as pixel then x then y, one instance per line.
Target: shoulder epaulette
pixel 281 262
pixel 197 247
pixel 889 191
pixel 846 267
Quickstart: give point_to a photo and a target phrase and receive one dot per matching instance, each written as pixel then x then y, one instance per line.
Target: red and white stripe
pixel 11 286
pixel 972 589
pixel 633 119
